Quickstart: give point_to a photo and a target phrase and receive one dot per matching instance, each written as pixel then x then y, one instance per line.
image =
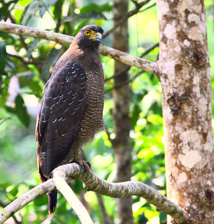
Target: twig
pixel 118 73
pixel 149 50
pixel 92 182
pixel 149 7
pixel 23 61
pixel 128 67
pixel 125 82
pixel 138 6
pixel 84 202
pixel 105 218
pixel 59 176
pixel 109 135
pixel 64 39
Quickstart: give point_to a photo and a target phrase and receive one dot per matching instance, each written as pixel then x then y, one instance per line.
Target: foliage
pixel 26 64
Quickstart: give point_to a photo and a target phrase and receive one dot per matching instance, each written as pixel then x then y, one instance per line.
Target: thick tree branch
pixel 26 198
pixel 64 39
pixel 2 204
pixel 59 177
pixel 92 182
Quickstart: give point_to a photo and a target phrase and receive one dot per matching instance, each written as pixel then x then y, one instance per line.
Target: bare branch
pixel 105 218
pixel 26 198
pixel 119 85
pixel 149 7
pixel 128 67
pixel 92 182
pixel 33 32
pixel 22 41
pixel 147 51
pixel 2 204
pixel 24 61
pixel 64 39
pixel 138 6
pixel 129 59
pixel 59 176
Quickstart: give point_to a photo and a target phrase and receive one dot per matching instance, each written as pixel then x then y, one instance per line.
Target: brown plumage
pixel 72 106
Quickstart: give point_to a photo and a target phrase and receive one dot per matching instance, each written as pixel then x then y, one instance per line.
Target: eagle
pixel 71 111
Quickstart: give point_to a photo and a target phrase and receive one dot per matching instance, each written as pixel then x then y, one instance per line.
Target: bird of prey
pixel 72 106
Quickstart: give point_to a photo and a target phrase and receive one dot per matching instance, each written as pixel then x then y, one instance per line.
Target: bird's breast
pixel 92 120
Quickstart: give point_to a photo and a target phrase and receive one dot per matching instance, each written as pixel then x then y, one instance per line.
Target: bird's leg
pixel 82 163
pixel 85 165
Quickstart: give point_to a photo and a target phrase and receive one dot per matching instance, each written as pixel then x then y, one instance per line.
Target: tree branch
pixel 138 6
pixel 92 182
pixel 26 198
pixel 24 62
pixel 64 39
pixel 59 177
pixel 105 218
pixel 2 204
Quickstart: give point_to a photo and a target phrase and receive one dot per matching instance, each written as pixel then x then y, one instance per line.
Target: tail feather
pixel 52 196
pixel 52 201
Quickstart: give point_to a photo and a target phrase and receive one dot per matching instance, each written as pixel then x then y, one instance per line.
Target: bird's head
pixel 89 36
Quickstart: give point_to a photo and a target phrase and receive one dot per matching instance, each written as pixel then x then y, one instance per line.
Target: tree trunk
pixel 186 89
pixel 122 145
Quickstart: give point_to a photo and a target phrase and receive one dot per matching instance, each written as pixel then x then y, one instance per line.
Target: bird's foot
pixel 84 164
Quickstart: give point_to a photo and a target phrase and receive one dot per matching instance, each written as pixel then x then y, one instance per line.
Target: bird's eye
pixel 87 32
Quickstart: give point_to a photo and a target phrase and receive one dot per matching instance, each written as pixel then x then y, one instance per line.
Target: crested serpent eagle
pixel 72 106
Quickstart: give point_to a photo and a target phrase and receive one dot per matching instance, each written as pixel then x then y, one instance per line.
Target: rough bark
pixel 186 91
pixel 122 144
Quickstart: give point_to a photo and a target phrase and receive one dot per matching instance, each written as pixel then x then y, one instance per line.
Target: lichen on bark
pixel 186 90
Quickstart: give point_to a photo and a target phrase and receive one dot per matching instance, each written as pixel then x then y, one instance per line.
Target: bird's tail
pixel 52 196
pixel 52 201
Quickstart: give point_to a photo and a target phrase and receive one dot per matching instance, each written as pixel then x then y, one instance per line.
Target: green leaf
pixel 7 38
pixel 35 86
pixel 24 78
pixel 4 85
pixel 3 119
pixel 4 10
pixel 135 115
pixel 92 15
pixel 149 100
pixel 38 202
pixel 21 110
pixel 50 61
pixel 10 66
pixel 3 57
pixel 95 7
pixel 145 153
pixel 32 47
pixel 29 12
pixel 155 119
pixel 13 190
pixel 45 6
pixel 163 217
pixel 58 13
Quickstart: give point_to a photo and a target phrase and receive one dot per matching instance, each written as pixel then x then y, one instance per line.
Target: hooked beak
pixel 99 37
